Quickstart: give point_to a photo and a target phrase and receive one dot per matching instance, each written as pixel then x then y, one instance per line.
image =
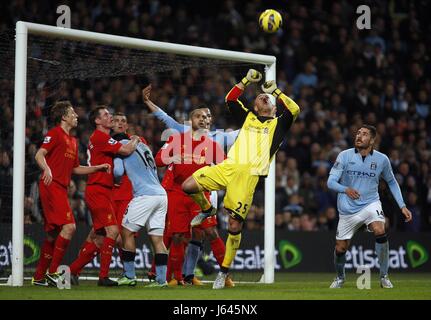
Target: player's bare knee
pixel 68 229
pixel 341 247
pixel 124 235
pixel 211 233
pixel 234 226
pixel 159 245
pixel 119 241
pixel 235 222
pixel 98 240
pixel 92 236
pixel 178 238
pixel 112 232
pixel 379 230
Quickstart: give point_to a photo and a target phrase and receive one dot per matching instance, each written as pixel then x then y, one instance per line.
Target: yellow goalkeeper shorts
pixel 236 180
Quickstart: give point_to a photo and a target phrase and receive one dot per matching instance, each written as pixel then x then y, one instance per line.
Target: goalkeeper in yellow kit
pixel 248 159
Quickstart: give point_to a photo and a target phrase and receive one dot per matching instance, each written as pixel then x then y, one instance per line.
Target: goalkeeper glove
pixel 252 76
pixel 271 88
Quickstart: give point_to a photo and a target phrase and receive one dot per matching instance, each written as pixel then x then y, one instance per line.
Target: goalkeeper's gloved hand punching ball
pixel 252 76
pixel 270 87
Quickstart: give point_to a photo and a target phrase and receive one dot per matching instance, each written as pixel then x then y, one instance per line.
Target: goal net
pixel 44 64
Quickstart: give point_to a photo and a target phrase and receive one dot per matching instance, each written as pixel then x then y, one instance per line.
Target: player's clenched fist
pixel 252 76
pixel 270 87
pixel 106 167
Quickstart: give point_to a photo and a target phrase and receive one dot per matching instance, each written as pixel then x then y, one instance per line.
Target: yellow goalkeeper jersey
pixel 260 137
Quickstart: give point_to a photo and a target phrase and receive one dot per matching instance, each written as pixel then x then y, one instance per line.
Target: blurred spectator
pixel 306 78
pixel 295 224
pixel 415 224
pixel 5 187
pixel 294 205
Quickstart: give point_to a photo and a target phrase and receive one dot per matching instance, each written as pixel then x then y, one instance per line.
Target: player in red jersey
pixel 58 158
pixel 98 195
pixel 184 154
pixel 122 192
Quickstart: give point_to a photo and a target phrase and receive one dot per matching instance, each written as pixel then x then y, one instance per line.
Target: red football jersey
pixel 124 191
pixel 168 178
pixel 101 149
pixel 62 154
pixel 195 154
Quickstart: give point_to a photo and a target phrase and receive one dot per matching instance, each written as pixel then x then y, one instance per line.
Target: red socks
pixel 44 260
pixel 60 247
pixel 87 252
pixel 219 250
pixel 105 256
pixel 176 259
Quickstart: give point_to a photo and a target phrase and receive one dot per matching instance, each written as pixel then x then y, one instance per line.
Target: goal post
pixel 23 30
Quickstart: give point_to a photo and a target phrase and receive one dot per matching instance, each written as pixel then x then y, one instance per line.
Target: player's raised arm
pixel 270 87
pixel 159 113
pixel 234 105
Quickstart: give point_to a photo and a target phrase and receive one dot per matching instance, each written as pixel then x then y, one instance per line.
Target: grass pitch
pixel 287 286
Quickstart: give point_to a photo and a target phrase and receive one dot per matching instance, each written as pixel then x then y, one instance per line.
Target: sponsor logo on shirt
pixel 112 141
pixel 361 174
pixel 70 155
pixel 47 139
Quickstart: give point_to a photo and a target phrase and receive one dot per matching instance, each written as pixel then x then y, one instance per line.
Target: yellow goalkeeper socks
pixel 232 244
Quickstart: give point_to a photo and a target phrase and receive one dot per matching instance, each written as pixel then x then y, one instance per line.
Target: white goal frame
pixel 23 29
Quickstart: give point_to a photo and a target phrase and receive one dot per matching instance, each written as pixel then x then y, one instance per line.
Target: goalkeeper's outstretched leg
pixel 246 162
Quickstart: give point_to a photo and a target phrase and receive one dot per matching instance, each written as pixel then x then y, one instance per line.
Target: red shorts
pixel 99 200
pixel 120 207
pixel 181 210
pixel 55 205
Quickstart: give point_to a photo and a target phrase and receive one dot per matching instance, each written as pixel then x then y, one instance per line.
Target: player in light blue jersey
pixel 223 138
pixel 147 209
pixel 355 176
